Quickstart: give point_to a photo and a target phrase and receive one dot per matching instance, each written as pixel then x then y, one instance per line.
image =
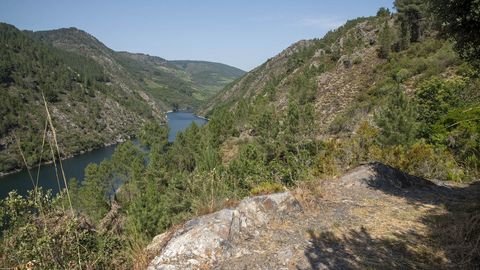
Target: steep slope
pixel 314 112
pixel 164 84
pixel 180 84
pixel 98 96
pixel 340 65
pixel 337 71
pixel 91 105
pixel 79 42
pixel 318 109
pixel 321 107
pixel 372 217
pixel 338 88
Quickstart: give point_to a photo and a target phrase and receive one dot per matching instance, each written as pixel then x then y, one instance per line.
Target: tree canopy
pixel 460 20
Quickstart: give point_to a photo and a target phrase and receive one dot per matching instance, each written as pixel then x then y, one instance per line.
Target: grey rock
pixel 205 240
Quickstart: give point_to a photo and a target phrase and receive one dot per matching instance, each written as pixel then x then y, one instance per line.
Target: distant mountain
pixel 96 95
pixel 179 84
pixel 72 41
pixel 331 72
pixel 183 84
pixel 208 74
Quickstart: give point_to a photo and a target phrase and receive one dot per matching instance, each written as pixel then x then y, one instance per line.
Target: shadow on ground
pixel 453 232
pixel 359 250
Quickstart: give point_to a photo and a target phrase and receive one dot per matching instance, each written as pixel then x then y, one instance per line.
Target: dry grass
pixel 460 233
pixel 216 205
pixel 140 252
pixel 137 254
pixel 308 193
pixel 265 188
pixel 229 150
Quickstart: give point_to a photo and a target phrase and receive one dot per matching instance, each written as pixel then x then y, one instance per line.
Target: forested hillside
pixel 98 96
pixel 365 85
pixel 391 88
pixel 180 84
pixel 90 108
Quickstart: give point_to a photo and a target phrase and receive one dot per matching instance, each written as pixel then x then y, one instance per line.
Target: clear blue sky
pixel 240 33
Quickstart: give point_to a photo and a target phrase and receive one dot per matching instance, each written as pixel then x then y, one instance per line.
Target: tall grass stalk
pixel 52 128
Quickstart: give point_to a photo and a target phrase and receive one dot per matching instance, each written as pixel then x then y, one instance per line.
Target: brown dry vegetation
pixel 374 217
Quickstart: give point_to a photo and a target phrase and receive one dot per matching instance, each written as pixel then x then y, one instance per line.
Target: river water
pixel 75 166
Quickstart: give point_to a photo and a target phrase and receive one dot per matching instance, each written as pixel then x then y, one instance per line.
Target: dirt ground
pixel 374 217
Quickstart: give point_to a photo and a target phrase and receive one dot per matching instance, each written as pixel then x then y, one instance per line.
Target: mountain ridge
pixel 87 78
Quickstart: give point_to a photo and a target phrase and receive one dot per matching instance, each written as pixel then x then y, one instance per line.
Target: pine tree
pixel 383 12
pixel 385 42
pixel 460 20
pixel 397 121
pixel 411 14
pixel 94 193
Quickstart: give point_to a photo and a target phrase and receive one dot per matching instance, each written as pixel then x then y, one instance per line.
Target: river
pixel 75 166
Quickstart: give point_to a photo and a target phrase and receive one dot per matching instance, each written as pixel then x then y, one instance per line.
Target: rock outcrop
pixel 373 217
pixel 205 240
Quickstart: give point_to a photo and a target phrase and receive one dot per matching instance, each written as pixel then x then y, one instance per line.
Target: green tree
pixel 411 14
pixel 383 12
pixel 292 123
pixel 397 121
pixel 385 38
pixel 94 194
pixel 128 161
pixel 266 125
pixel 436 97
pixel 460 20
pixel 153 133
pixel 156 207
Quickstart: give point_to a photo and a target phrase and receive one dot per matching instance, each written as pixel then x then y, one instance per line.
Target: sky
pixel 243 33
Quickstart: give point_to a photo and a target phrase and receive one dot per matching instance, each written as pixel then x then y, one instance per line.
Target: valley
pixel 97 96
pixel 74 167
pixel 353 148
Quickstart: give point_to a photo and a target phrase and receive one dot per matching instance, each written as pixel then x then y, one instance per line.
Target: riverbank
pixel 74 164
pixel 188 111
pixel 70 155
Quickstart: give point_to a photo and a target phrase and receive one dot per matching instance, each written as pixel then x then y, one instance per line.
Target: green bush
pixel 35 230
pixel 397 121
pixel 267 188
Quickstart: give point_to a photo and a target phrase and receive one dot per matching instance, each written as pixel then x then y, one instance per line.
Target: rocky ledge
pixel 372 217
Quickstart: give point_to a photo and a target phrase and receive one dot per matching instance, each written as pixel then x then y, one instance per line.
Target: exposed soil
pixel 374 217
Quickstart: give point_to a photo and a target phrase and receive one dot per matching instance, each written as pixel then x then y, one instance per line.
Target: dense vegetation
pixel 179 84
pixel 97 95
pixel 421 115
pixel 78 89
pixel 460 20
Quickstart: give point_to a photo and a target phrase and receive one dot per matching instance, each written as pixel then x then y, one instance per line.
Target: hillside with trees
pixel 183 84
pixel 97 97
pixel 180 84
pixel 89 107
pixel 389 89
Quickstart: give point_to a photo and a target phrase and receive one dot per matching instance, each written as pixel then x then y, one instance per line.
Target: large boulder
pixel 205 240
pixel 372 217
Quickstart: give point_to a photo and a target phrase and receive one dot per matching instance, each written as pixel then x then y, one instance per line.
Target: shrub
pixel 402 75
pixel 397 121
pixel 36 231
pixel 267 188
pixel 422 159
